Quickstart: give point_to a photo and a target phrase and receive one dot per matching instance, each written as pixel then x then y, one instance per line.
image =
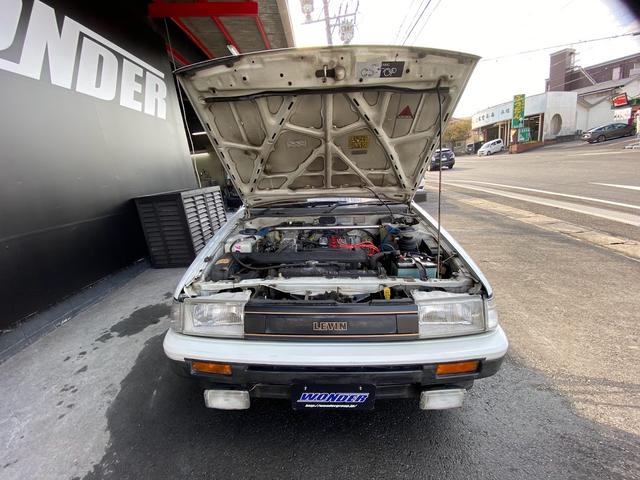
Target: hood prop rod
pixel 439 175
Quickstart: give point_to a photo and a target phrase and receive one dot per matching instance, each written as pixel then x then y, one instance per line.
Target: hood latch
pixel 337 73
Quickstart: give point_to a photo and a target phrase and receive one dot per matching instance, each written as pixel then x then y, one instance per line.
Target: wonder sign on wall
pixel 102 69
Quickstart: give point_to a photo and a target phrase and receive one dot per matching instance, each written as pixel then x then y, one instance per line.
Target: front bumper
pixel 402 381
pixel 268 369
pixel 490 346
pixel 445 163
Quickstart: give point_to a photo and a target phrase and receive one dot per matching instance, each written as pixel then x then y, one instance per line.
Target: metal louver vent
pixel 177 225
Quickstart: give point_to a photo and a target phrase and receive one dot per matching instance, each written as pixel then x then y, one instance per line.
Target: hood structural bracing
pixel 326 122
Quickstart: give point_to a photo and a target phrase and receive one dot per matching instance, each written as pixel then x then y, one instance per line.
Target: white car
pixel 491 147
pixel 329 288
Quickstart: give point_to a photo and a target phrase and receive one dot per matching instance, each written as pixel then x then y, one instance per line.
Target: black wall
pixel 71 162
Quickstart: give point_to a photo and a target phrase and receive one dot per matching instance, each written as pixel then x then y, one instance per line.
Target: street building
pixel 576 99
pixel 546 115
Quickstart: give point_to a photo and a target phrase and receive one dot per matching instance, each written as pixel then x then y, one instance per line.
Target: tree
pixel 458 130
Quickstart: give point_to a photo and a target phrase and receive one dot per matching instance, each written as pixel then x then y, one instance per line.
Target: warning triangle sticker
pixel 405 113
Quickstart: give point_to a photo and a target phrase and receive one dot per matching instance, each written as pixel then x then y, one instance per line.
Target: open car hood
pixel 326 122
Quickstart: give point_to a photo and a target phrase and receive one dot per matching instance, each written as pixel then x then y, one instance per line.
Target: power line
pixel 405 18
pixel 428 2
pixel 435 7
pixel 578 42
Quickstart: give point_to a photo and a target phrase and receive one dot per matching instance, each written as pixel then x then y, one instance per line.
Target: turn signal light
pixel 208 367
pixel 469 366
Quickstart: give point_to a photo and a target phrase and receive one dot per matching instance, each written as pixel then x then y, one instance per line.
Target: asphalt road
pixel 584 183
pixel 95 399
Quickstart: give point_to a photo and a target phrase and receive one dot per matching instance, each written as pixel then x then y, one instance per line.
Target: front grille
pixel 359 322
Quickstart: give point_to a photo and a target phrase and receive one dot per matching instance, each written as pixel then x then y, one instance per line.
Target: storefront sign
pixel 620 100
pixel 489 116
pixel 517 120
pixel 622 115
pixel 101 68
pixel 524 134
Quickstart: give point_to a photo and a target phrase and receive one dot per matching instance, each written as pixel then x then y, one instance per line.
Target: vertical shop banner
pixel 517 120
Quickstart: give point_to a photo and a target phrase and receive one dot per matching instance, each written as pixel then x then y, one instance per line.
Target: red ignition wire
pixel 367 245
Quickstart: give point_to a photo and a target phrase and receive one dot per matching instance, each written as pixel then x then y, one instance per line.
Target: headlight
pixel 218 315
pixel 442 314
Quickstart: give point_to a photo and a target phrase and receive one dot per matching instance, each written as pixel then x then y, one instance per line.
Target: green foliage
pixel 457 130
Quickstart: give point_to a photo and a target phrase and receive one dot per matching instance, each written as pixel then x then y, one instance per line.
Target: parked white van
pixel 491 147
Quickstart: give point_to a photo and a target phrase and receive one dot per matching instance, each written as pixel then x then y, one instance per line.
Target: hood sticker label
pixel 298 143
pixel 380 69
pixel 391 69
pixel 405 113
pixel 358 142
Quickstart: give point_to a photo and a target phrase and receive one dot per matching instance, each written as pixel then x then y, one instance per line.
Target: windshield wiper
pixel 364 204
pixel 305 204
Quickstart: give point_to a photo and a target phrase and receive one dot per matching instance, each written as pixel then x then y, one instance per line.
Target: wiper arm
pixel 364 204
pixel 323 203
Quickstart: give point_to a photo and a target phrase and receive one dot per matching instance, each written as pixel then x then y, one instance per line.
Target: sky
pixel 490 29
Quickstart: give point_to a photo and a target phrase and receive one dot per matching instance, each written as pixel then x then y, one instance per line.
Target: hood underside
pixel 327 122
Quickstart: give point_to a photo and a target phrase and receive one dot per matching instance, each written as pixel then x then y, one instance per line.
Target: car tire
pixel 450 167
pixel 601 138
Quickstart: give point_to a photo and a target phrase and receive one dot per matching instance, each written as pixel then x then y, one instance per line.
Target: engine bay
pixel 263 251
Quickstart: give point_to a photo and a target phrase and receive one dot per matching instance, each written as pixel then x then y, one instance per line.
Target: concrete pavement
pixel 96 399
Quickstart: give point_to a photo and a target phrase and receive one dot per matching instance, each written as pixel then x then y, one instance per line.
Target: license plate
pixel 333 397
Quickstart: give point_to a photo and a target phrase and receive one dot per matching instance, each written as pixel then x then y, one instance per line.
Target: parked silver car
pixel 607 132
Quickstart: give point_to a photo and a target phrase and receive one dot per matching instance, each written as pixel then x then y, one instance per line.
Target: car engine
pixel 328 249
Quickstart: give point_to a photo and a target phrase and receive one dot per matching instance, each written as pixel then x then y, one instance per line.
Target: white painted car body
pixel 491 345
pixel 274 118
pixel 489 148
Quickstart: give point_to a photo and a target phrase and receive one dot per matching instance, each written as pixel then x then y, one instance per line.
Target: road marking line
pixel 573 207
pixel 630 187
pixel 628 248
pixel 600 152
pixel 579 197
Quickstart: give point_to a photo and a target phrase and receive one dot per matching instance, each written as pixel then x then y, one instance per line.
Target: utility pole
pixel 346 22
pixel 327 22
